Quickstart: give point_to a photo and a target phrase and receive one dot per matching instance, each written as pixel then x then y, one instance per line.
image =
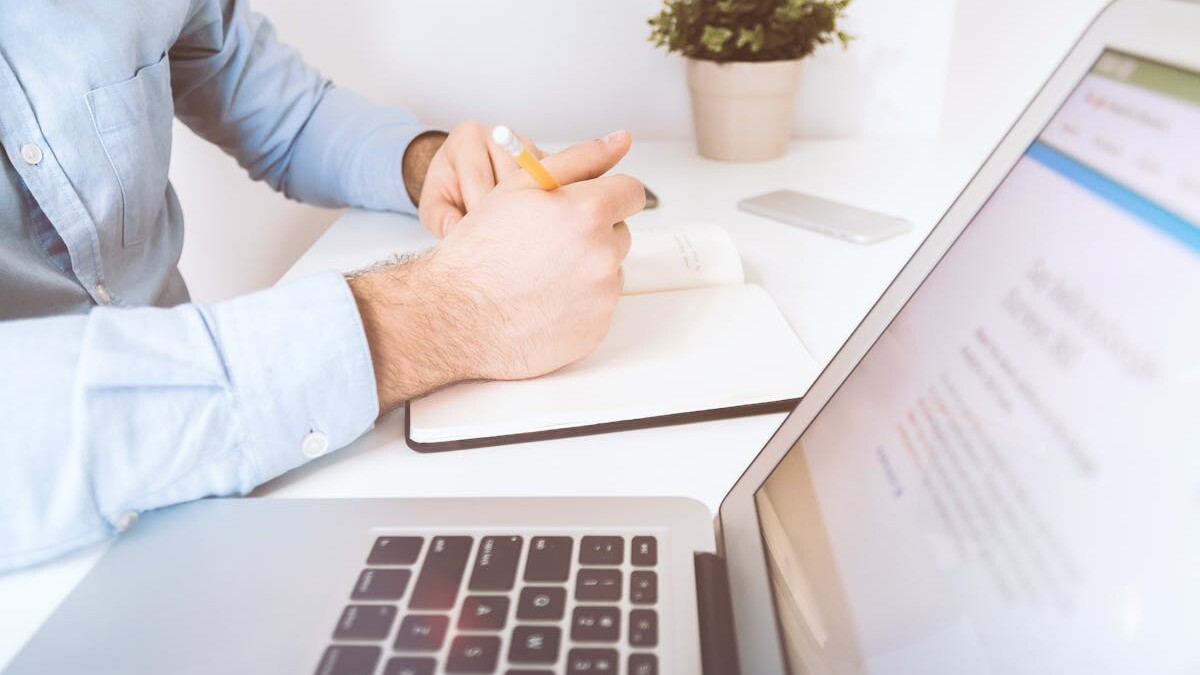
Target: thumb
pixel 589 160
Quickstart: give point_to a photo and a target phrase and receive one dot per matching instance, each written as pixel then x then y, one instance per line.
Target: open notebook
pixel 690 341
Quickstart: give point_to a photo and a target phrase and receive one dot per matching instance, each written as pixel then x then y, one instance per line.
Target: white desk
pixel 823 285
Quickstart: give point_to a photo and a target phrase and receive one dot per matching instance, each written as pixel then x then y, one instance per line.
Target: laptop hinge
pixel 718 646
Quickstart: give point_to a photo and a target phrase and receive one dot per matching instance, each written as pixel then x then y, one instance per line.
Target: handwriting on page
pixel 689 254
pixel 674 258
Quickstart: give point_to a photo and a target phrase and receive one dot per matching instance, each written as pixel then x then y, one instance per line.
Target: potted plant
pixel 744 66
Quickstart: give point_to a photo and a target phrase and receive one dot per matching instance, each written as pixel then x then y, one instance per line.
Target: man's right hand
pixel 525 284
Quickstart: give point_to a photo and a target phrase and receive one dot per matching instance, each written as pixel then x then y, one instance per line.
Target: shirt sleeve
pixel 124 410
pixel 236 85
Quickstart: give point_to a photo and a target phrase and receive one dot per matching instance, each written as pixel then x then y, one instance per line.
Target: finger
pixel 623 238
pixel 473 166
pixel 502 163
pixel 533 149
pixel 615 198
pixel 588 160
pixel 439 213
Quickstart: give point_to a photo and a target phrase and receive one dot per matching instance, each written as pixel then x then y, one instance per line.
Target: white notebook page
pixel 672 258
pixel 666 353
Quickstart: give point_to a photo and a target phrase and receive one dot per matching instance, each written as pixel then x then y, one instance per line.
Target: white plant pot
pixel 743 111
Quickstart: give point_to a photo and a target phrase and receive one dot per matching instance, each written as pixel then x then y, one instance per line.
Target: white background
pixel 571 69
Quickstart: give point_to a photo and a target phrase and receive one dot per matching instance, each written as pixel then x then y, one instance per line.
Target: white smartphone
pixel 827 217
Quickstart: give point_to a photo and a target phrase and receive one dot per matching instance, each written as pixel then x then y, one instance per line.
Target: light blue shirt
pixel 115 395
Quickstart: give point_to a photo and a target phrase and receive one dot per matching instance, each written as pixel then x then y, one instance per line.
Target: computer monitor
pixel 1009 480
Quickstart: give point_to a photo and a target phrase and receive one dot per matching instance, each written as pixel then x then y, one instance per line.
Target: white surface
pixel 585 68
pixel 823 285
pixel 890 82
pixel 1002 54
pixel 686 351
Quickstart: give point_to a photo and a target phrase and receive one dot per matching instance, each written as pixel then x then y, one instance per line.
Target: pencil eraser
pixel 506 139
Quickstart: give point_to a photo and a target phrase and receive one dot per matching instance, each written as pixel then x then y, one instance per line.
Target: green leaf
pixel 748 30
pixel 754 38
pixel 714 38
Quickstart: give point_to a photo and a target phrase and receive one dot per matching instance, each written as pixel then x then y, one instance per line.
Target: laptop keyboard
pixel 507 604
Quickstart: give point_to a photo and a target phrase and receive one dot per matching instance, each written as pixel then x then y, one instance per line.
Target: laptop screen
pixel 1009 481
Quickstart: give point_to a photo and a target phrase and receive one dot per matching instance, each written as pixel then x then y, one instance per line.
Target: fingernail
pixel 616 136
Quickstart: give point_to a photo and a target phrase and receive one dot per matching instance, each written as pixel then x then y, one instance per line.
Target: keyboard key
pixel 473 654
pixel 596 624
pixel 592 662
pixel 381 584
pixel 534 644
pixel 525 671
pixel 496 564
pixel 349 660
pixel 410 665
pixel 422 633
pixel 365 622
pixel 540 603
pixel 441 573
pixel 602 551
pixel 549 559
pixel 395 551
pixel 483 612
pixel 643 628
pixel 643 587
pixel 645 552
pixel 592 585
pixel 640 664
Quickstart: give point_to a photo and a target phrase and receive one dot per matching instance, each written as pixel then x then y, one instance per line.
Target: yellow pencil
pixel 506 139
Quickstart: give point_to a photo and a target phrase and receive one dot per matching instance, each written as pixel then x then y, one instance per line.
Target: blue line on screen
pixel 1116 194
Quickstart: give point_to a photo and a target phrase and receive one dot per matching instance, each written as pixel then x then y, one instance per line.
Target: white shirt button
pixel 314 444
pixel 31 153
pixel 127 520
pixel 102 294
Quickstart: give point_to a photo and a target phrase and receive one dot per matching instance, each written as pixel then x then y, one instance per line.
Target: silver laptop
pixel 998 473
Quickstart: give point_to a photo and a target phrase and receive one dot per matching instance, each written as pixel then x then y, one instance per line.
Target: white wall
pixel 571 69
pixel 1003 51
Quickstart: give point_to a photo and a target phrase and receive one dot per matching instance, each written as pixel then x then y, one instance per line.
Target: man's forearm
pixel 417 158
pixel 124 410
pixel 418 323
pixel 525 283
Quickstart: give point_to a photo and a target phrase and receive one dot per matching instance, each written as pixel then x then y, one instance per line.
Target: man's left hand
pixel 462 168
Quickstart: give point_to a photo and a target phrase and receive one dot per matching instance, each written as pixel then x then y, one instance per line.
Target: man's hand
pixel 464 169
pixel 524 284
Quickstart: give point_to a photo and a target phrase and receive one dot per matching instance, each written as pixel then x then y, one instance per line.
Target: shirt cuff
pixel 301 370
pixel 358 148
pixel 380 163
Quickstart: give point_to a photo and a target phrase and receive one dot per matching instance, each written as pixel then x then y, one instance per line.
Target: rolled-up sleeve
pixel 124 410
pixel 236 85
